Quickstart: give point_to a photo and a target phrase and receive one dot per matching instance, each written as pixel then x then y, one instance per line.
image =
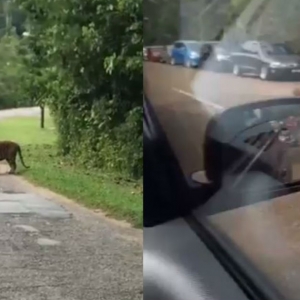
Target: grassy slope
pixel 122 200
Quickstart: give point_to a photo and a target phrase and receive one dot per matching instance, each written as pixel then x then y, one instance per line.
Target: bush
pixel 86 65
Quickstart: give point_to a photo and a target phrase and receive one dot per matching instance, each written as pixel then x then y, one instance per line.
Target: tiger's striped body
pixel 9 151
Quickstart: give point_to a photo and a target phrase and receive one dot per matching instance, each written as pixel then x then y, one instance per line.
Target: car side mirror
pixel 262 136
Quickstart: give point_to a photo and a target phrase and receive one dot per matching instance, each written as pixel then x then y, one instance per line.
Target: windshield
pixel 193 46
pixel 278 49
pixel 235 154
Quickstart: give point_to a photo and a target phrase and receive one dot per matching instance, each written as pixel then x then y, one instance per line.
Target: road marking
pixel 207 102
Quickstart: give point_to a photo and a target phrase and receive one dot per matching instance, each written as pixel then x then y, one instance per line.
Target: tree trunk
pixel 42 117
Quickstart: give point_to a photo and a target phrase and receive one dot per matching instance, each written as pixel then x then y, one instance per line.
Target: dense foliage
pixel 161 21
pixel 86 65
pixel 12 73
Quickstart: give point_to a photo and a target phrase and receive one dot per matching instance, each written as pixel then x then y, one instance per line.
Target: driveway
pixel 51 248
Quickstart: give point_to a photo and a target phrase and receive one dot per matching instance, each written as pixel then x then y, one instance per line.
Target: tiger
pixel 8 152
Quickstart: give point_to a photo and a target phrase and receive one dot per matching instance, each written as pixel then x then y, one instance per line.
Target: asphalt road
pixel 54 249
pixel 185 99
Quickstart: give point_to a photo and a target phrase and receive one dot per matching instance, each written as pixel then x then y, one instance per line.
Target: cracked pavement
pixel 54 250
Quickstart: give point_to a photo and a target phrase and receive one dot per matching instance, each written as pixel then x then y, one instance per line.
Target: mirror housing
pixel 221 149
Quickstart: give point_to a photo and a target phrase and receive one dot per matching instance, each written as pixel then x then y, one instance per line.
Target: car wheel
pixel 237 70
pixel 265 73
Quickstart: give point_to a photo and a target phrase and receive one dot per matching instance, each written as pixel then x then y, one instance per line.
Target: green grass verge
pixel 119 199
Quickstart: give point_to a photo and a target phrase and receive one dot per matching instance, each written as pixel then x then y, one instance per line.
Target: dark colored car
pixel 266 60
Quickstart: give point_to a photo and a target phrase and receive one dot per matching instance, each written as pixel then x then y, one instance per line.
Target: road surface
pixel 53 249
pixel 20 112
pixel 184 98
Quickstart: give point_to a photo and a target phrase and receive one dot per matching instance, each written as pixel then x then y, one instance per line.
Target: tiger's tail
pixel 21 158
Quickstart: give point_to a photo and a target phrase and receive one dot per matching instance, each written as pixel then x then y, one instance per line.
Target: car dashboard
pixel 178 266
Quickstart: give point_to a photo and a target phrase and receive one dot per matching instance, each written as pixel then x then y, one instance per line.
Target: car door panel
pixel 174 53
pixel 252 62
pixel 238 58
pixel 255 61
pixel 258 63
pixel 185 54
pixel 181 53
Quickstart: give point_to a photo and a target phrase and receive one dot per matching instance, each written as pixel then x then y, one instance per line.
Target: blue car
pixel 186 53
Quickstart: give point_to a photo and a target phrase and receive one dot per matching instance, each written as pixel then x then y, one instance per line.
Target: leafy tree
pixel 161 21
pixel 86 64
pixel 12 73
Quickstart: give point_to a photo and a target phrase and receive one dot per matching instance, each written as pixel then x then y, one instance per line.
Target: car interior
pixel 221 209
pixel 237 146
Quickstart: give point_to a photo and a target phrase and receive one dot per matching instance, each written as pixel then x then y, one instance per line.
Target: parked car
pixel 154 53
pixel 165 54
pixel 157 54
pixel 185 53
pixel 191 53
pixel 266 60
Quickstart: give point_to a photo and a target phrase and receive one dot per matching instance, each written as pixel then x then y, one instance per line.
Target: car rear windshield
pixel 194 46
